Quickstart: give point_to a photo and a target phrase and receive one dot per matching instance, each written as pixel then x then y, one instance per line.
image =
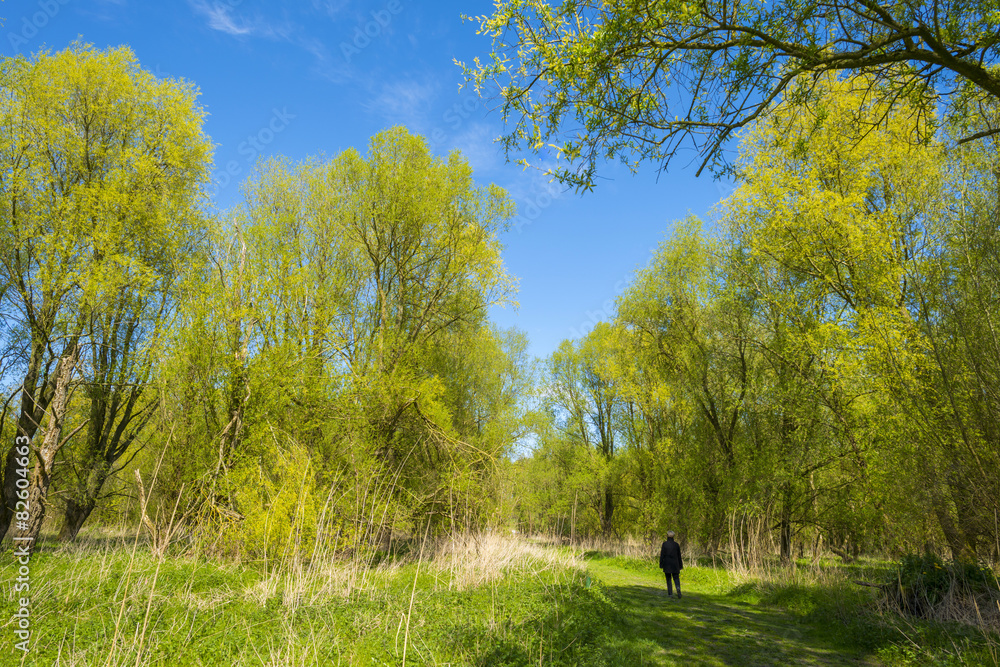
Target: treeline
pixel 818 368
pixel 313 367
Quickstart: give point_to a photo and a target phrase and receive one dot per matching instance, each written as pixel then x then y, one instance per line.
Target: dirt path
pixel 706 628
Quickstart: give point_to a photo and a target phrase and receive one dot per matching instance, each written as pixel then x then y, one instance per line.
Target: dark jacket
pixel 670 556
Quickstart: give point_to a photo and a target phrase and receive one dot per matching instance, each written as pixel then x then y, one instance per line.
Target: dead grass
pixel 472 559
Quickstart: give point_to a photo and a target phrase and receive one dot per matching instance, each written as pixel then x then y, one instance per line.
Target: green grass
pixel 718 622
pixel 801 617
pixel 89 607
pixel 493 603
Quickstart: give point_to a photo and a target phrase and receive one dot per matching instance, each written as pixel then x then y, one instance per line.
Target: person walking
pixel 671 564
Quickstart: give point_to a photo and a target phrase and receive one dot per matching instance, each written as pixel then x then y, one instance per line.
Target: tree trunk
pixel 112 428
pixel 841 551
pixel 786 524
pixel 817 543
pixel 572 527
pixel 34 402
pixel 956 541
pixel 80 506
pixel 41 475
pixel 75 515
pixel 609 509
pixel 786 540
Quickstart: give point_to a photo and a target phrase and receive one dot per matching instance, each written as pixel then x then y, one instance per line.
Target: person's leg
pixel 670 589
pixel 677 581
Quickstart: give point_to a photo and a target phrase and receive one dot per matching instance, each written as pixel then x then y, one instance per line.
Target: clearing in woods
pixel 480 600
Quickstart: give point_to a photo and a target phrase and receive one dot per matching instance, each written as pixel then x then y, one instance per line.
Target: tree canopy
pixel 659 81
pixel 100 198
pixel 314 369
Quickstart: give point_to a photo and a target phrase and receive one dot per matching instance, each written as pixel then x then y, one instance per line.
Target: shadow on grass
pixel 702 629
pixel 719 628
pixel 624 620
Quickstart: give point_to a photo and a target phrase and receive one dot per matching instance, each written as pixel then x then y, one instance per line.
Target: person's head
pixel 670 534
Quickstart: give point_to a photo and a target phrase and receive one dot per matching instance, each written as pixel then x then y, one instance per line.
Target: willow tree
pixel 585 391
pixel 842 223
pixel 100 186
pixel 425 268
pixel 955 303
pixel 349 302
pixel 692 331
pixel 642 81
pixel 577 440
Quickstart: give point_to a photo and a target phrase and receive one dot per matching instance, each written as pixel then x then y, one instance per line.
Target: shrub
pixel 279 502
pixel 925 581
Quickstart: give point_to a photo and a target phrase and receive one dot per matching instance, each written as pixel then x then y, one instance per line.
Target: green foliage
pixel 822 373
pixel 285 616
pixel 924 580
pixel 611 612
pixel 338 377
pixel 319 367
pixel 280 503
pixel 102 196
pixel 817 372
pixel 595 81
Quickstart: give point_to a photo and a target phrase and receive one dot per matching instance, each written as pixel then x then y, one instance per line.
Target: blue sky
pixel 314 77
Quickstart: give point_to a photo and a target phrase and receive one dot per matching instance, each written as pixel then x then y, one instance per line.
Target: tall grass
pixel 112 598
pixel 629 547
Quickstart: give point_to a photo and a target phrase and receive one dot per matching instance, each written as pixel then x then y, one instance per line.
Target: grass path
pixel 710 627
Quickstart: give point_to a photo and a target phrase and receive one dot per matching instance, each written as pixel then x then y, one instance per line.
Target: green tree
pixel 120 346
pixel 860 280
pixel 350 357
pixel 692 331
pixel 101 182
pixel 642 81
pixel 950 399
pixel 583 400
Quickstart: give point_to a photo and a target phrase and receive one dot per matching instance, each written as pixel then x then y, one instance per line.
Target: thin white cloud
pixel 315 47
pixel 219 17
pixel 476 142
pixel 332 8
pixel 405 102
pixel 326 66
